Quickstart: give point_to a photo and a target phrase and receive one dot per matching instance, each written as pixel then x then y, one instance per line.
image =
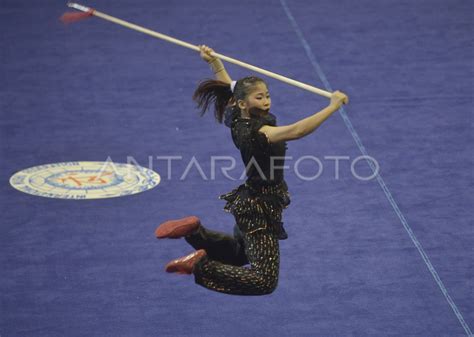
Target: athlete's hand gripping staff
pixel 88 12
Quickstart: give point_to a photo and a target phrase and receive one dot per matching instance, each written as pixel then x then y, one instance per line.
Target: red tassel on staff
pixel 70 17
pixel 87 11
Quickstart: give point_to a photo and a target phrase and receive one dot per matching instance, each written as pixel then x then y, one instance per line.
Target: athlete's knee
pixel 269 285
pixel 268 289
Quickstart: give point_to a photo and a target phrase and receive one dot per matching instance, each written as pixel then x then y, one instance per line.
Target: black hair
pixel 219 92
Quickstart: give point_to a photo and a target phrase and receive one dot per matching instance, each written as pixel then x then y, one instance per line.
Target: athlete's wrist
pixel 216 65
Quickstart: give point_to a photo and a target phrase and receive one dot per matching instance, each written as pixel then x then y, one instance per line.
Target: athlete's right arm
pixel 305 126
pixel 216 64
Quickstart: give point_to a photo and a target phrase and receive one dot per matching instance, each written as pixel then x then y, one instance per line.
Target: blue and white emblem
pixel 85 180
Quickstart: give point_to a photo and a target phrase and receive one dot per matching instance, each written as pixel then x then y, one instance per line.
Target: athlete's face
pixel 258 102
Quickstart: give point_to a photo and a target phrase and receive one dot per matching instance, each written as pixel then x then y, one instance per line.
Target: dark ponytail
pixel 213 91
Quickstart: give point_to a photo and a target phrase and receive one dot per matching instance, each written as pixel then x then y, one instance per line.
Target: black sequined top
pixel 265 193
pixel 263 160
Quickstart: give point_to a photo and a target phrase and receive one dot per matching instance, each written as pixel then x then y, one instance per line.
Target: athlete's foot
pixel 185 265
pixel 174 229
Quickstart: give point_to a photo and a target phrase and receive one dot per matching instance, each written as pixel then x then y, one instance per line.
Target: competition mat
pixel 85 180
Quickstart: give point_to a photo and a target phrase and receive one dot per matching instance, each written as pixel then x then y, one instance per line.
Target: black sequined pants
pixel 223 269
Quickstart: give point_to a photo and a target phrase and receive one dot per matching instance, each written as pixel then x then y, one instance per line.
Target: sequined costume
pixel 257 207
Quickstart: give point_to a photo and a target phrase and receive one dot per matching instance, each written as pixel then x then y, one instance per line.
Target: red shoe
pixel 174 229
pixel 185 264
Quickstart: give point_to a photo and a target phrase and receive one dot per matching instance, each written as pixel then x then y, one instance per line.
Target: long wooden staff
pixel 87 11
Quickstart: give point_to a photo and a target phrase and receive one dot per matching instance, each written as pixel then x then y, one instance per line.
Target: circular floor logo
pixel 85 180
